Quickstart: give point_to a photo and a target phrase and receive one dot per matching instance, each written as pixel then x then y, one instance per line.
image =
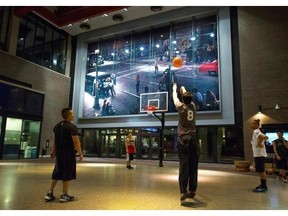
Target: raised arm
pixel 261 139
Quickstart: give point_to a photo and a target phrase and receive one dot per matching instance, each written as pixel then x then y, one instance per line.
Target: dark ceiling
pixel 64 15
pixel 79 19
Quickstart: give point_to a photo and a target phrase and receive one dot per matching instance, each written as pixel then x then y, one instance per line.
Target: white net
pixel 150 113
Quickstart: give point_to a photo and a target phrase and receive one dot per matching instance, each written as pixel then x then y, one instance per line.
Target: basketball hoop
pixel 150 109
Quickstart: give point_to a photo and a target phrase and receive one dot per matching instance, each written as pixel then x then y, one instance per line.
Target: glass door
pixel 122 146
pixel 21 139
pixel 108 143
pixel 112 145
pixel 145 147
pixel 11 147
pixel 29 139
pixel 149 144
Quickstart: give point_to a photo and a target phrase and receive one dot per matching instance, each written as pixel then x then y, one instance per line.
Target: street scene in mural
pixel 120 69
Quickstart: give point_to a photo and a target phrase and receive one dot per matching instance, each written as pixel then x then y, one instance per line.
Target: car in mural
pixel 209 67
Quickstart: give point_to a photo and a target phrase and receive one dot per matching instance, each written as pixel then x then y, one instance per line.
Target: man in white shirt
pixel 259 154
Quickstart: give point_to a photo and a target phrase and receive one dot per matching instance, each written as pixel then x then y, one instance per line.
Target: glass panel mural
pixel 121 68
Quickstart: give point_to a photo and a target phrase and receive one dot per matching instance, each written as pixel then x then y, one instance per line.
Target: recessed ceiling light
pixel 156 8
pixel 118 17
pixel 105 15
pixel 70 25
pixel 85 26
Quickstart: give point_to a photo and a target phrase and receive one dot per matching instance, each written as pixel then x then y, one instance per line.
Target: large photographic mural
pixel 120 68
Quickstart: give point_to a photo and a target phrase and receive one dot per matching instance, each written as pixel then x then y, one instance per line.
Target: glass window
pixel 4 21
pixel 59 51
pixel 206 143
pixel 21 138
pixel 11 148
pixel 33 103
pixel 42 43
pixel 61 60
pixel 142 62
pixel 30 37
pixel 216 143
pixel 39 41
pixel 108 143
pixel 47 52
pixel 0 125
pixel 15 100
pixel 160 48
pixel 170 144
pixel 29 139
pixel 230 144
pixel 91 143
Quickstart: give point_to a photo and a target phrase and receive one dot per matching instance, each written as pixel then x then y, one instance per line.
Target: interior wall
pixel 264 68
pixel 55 86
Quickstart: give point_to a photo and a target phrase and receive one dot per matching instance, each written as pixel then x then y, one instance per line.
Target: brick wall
pixel 263 46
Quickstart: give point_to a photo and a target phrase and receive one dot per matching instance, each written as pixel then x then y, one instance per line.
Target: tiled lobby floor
pixel 106 184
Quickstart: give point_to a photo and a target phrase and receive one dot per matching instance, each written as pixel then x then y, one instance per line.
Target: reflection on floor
pixel 106 184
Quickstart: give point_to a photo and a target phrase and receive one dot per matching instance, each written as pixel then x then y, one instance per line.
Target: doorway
pixel 108 142
pixel 149 144
pixel 21 139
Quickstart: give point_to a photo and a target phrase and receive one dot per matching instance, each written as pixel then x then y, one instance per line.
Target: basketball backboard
pixel 155 101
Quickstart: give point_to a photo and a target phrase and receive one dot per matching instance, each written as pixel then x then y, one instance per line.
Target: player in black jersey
pixel 65 143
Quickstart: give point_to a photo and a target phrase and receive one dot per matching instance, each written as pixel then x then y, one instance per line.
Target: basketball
pixel 177 62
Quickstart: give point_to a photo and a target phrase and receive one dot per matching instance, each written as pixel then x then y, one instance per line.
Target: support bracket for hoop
pixel 161 146
pixel 151 111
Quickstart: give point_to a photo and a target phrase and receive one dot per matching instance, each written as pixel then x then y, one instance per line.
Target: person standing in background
pixel 156 66
pixel 280 147
pixel 130 150
pixel 137 84
pixel 259 154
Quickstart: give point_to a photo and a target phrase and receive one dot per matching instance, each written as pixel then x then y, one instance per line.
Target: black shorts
pixel 65 168
pixel 281 164
pixel 259 164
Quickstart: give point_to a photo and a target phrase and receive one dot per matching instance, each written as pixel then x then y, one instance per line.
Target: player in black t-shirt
pixel 65 142
pixel 280 147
